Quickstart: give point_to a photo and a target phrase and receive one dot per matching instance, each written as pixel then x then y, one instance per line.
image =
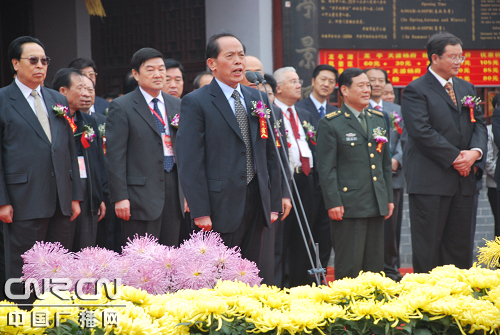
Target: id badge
pixel 304 148
pixel 81 167
pixel 168 148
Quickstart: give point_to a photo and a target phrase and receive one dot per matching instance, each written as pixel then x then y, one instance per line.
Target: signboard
pixel 481 67
pixel 407 24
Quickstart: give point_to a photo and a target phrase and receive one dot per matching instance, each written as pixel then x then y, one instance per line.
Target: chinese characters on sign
pixel 406 24
pixel 42 318
pixel 481 67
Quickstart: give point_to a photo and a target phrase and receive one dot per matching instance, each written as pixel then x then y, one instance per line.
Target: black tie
pixel 242 118
pixel 168 161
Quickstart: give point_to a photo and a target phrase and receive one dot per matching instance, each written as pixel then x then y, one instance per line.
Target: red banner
pixel 481 67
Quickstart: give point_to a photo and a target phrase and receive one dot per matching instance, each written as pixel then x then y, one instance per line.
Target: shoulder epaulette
pixel 376 112
pixel 333 114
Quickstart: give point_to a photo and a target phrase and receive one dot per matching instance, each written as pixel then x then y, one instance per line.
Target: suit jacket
pixel 97 177
pixel 100 118
pixel 100 105
pixel 212 161
pixel 495 127
pixel 134 154
pixel 308 105
pixel 34 173
pixel 435 131
pixel 398 179
pixel 352 172
pixel 277 118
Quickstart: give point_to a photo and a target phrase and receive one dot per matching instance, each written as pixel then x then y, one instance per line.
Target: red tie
pixel 306 168
pixel 378 107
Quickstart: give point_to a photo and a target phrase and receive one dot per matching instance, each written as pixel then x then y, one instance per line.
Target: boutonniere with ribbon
pixel 262 112
pixel 277 125
pixel 310 132
pixel 62 111
pixel 396 119
pixel 471 102
pixel 175 121
pixel 88 135
pixel 379 136
pixel 102 132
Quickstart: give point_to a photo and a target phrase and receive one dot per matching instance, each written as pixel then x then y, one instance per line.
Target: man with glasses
pixel 442 140
pixel 87 68
pixel 302 165
pixel 40 187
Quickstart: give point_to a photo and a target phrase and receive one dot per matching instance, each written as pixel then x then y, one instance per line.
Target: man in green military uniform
pixel 354 164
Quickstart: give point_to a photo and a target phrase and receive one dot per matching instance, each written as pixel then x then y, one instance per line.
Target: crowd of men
pixel 97 173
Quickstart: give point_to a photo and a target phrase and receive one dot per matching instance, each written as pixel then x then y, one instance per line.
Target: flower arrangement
pixel 379 136
pixel 63 111
pixel 260 110
pixel 88 135
pixel 396 120
pixel 102 132
pixel 277 126
pixel 310 132
pixel 175 121
pixel 471 102
pixel 447 300
pixel 144 263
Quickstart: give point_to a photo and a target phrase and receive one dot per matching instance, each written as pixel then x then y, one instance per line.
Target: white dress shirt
pixel 161 107
pixel 26 91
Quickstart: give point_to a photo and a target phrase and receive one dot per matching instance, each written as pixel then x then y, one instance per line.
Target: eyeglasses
pixel 295 81
pixel 34 60
pixel 455 59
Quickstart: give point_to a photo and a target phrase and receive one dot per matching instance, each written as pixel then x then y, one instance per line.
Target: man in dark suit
pixel 229 172
pixel 356 179
pixel 378 79
pixel 324 79
pixel 140 155
pixel 78 89
pixel 87 68
pixel 302 164
pixel 441 142
pixel 39 182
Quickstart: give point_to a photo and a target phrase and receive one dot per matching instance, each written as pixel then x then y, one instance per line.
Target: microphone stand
pixel 317 271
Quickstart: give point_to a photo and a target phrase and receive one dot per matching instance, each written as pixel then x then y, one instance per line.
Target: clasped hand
pixel 465 160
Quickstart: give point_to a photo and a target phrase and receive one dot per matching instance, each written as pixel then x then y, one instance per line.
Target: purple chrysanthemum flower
pixel 45 260
pixel 227 258
pixel 140 246
pixel 203 244
pixel 148 277
pixel 165 257
pixel 245 271
pixel 195 275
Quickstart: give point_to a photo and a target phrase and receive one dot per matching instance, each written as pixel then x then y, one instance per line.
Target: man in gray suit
pixel 391 110
pixel 140 154
pixel 39 182
pixel 441 143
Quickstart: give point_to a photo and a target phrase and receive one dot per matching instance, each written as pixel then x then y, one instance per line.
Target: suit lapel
pixel 460 92
pixel 436 86
pixel 49 103
pixel 353 122
pixel 21 105
pixel 142 108
pixel 169 113
pixel 222 105
pixel 253 121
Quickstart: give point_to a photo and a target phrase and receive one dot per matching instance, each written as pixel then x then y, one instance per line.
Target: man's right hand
pixel 204 223
pixel 122 209
pixel 6 213
pixel 336 213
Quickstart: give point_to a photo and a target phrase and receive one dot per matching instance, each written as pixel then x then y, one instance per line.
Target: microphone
pixel 260 77
pixel 251 77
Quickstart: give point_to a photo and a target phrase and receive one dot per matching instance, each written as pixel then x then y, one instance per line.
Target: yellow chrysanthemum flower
pixel 490 254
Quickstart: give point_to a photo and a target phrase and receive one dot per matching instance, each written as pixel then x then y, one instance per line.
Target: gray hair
pixel 279 74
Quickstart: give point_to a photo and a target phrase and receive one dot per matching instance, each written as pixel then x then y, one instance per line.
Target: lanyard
pixel 158 116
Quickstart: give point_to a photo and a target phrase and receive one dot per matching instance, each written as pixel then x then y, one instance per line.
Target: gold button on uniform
pixel 374 178
pixel 352 144
pixel 369 144
pixel 345 189
pixel 372 155
pixel 373 167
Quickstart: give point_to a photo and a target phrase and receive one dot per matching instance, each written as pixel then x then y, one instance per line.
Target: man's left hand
pixel 287 206
pixel 101 212
pixel 391 208
pixel 464 163
pixel 274 217
pixel 75 209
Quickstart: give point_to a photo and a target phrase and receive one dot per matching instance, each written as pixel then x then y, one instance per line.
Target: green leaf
pixel 422 332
